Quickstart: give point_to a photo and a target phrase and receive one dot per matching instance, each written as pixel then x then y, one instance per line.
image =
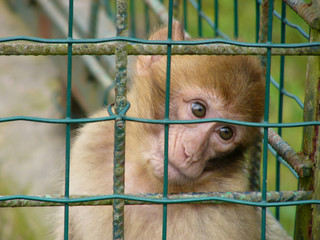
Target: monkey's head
pixel 229 87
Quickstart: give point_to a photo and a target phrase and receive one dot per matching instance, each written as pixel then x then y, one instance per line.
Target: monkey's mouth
pixel 181 172
pixel 175 174
pixel 181 175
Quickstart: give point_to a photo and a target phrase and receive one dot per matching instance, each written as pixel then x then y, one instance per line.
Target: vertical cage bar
pixel 166 129
pixel 269 17
pixel 146 18
pixel 132 19
pixel 236 19
pixel 281 87
pixel 257 20
pixel 199 18
pixel 216 18
pixel 68 125
pixel 93 20
pixel 254 154
pixel 108 8
pixel 176 9
pixel 120 103
pixel 315 75
pixel 185 15
pixel 307 225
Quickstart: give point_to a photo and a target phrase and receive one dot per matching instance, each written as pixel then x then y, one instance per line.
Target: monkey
pixel 202 157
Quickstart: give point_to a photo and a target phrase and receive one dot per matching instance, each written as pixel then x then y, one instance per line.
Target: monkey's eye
pixel 225 133
pixel 198 110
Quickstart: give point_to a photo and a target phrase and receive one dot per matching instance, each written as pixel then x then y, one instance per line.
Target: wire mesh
pixel 121 46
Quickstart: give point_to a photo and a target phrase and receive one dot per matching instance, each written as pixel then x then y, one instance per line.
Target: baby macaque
pixel 205 157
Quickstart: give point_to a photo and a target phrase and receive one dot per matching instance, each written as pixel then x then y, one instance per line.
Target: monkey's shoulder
pixel 95 132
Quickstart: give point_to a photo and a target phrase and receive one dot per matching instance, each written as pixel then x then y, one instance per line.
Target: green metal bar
pixel 158 9
pixel 263 21
pixel 93 19
pixel 154 121
pixel 199 10
pixel 207 19
pixel 58 42
pixel 236 19
pixel 185 16
pixel 283 198
pixel 68 125
pixel 269 6
pixel 281 87
pixel 290 24
pixel 132 19
pixel 147 19
pixel 109 9
pixel 176 9
pixel 254 153
pixel 216 18
pixel 288 94
pixel 119 133
pixel 166 126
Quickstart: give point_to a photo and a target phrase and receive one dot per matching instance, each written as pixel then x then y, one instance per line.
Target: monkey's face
pixel 228 87
pixel 195 149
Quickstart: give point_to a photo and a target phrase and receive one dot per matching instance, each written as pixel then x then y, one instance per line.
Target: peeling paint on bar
pixel 120 126
pixel 302 167
pixel 142 199
pixel 308 12
pixel 142 49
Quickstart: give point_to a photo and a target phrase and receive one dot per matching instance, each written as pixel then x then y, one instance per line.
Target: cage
pixel 282 34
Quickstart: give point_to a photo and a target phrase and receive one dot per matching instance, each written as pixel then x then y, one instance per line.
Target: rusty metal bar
pixel 307 224
pixel 309 12
pixel 99 49
pixel 297 162
pixel 120 126
pixel 142 199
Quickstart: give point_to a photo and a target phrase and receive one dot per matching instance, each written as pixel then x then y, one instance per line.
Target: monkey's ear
pixel 144 62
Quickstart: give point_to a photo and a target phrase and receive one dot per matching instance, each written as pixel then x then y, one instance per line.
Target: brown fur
pixel 91 173
pixel 238 81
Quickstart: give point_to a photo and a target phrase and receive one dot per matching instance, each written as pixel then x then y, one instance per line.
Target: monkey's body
pixel 206 157
pixel 185 221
